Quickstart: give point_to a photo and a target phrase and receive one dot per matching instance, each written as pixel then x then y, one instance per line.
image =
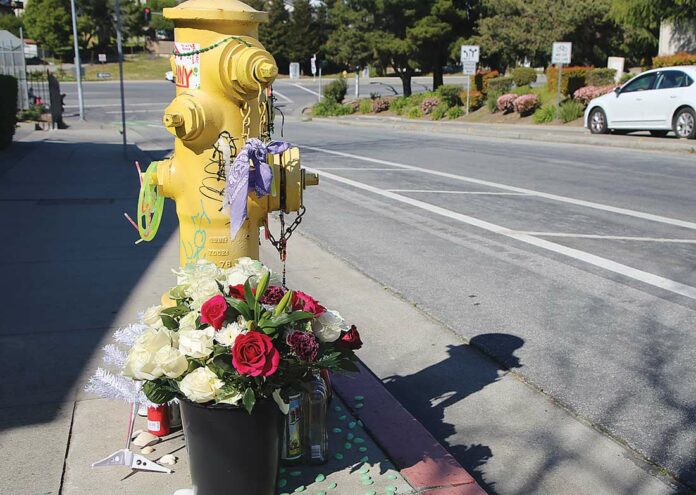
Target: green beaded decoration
pixel 211 47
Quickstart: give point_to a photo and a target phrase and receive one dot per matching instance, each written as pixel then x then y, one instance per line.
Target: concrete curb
pixel 425 464
pixel 543 133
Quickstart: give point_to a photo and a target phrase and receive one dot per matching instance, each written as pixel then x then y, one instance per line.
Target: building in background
pixel 677 36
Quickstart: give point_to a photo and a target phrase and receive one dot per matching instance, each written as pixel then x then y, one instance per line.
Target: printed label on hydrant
pixel 188 67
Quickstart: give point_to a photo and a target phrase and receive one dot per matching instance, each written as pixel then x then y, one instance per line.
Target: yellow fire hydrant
pixel 221 105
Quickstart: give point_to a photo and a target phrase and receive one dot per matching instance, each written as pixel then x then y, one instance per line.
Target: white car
pixel 169 76
pixel 658 100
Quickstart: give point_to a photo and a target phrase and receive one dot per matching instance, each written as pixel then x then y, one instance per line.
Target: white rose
pixel 196 343
pixel 171 362
pixel 188 321
pixel 235 278
pixel 140 364
pixel 201 290
pixel 227 334
pixel 153 339
pixel 151 317
pixel 328 327
pixel 202 269
pixel 201 385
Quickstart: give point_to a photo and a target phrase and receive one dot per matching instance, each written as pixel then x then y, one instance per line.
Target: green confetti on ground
pixel 282 470
pixel 370 492
pixel 295 473
pixel 338 456
pixel 364 470
pixel 300 488
pixel 282 482
pixel 366 482
pixel 359 405
pixel 352 424
pixel 364 459
pixel 321 493
pixel 320 477
pixel 337 430
pixel 390 489
pixel 389 492
pixel 392 476
pixel 347 445
pixel 342 417
pixel 332 486
pixel 285 493
pixel 359 440
pixel 338 409
pixel 365 477
pixel 361 423
pixel 359 397
pixel 350 436
pixel 362 449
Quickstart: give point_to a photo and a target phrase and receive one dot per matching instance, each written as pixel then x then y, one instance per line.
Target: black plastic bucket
pixel 232 452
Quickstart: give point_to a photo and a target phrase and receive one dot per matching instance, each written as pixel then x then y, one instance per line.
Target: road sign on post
pixel 313 63
pixel 560 55
pixel 469 59
pixel 102 58
pixel 294 70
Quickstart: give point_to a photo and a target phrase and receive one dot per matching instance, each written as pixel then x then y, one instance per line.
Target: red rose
pixel 305 302
pixel 350 339
pixel 253 354
pixel 214 311
pixel 237 291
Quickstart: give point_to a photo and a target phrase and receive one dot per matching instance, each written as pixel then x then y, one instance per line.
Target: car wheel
pixel 658 133
pixel 684 124
pixel 598 122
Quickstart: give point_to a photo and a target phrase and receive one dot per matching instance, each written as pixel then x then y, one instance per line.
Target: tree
pixel 274 34
pixel 303 39
pixel 133 21
pixel 11 23
pixel 349 43
pixel 49 23
pixel 157 20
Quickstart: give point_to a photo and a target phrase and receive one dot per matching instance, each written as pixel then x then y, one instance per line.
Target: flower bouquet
pixel 230 346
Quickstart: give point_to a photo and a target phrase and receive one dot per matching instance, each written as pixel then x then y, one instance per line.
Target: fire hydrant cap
pixel 216 10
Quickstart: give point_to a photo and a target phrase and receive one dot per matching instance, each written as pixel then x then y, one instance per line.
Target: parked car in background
pixel 169 76
pixel 658 100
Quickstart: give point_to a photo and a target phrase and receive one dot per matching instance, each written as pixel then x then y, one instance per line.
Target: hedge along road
pixel 585 253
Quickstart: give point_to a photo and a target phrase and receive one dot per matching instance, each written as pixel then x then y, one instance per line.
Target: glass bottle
pixel 291 450
pixel 316 438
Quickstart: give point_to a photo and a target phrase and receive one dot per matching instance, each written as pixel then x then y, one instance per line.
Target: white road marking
pixel 483 193
pixel 358 168
pixel 607 237
pixel 305 89
pixel 278 93
pixel 136 111
pixel 151 104
pixel 554 197
pixel 606 264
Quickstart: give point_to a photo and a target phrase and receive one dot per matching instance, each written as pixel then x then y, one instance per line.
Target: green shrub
pixel 8 109
pixel 413 112
pixel 455 113
pixel 573 79
pixel 500 85
pixel 601 77
pixel 399 104
pixel 681 58
pixel 492 101
pixel 439 112
pixel 331 109
pixel 545 114
pixel 449 94
pixel 365 106
pixel 523 76
pixel 476 100
pixel 626 77
pixel 32 113
pixel 336 90
pixel 571 110
pixel 481 80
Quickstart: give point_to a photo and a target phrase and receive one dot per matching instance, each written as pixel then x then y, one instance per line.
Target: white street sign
pixel 294 70
pixel 561 52
pixel 313 62
pixel 469 68
pixel 102 57
pixel 470 53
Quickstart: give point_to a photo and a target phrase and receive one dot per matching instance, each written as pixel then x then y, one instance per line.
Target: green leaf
pixel 286 318
pixel 283 303
pixel 251 300
pixel 170 323
pixel 249 399
pixel 157 392
pixel 224 363
pixel 240 306
pixel 262 285
pixel 175 311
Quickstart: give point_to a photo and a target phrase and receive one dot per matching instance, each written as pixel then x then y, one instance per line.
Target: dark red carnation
pixel 304 345
pixel 305 302
pixel 273 295
pixel 350 339
pixel 253 354
pixel 214 311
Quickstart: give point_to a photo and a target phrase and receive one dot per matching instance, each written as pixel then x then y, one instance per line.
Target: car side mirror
pixel 617 90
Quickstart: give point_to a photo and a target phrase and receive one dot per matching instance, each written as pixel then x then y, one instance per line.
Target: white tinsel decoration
pixel 116 387
pixel 113 356
pixel 128 335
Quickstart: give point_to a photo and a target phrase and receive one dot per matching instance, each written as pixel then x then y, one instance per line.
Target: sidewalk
pixel 541 133
pixel 75 276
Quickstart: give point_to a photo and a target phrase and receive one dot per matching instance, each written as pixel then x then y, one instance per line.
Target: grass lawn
pixel 138 67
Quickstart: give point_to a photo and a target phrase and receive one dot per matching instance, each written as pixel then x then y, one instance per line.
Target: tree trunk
pixel 437 75
pixel 406 82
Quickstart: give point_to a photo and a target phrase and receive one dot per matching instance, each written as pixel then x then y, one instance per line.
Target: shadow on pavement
pixel 451 381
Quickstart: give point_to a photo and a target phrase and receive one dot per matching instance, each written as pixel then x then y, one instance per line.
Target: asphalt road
pixel 585 253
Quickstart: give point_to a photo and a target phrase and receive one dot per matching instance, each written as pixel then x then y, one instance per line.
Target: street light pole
pixel 78 64
pixel 120 72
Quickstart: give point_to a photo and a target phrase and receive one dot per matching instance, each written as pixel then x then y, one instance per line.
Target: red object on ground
pixel 158 420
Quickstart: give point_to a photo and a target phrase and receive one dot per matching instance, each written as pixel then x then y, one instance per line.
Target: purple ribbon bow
pixel 241 179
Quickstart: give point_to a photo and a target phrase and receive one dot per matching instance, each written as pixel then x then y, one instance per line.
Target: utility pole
pixel 78 64
pixel 119 46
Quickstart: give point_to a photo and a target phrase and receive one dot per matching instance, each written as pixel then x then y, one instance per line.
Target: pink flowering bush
pixel 585 94
pixel 526 104
pixel 505 103
pixel 429 104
